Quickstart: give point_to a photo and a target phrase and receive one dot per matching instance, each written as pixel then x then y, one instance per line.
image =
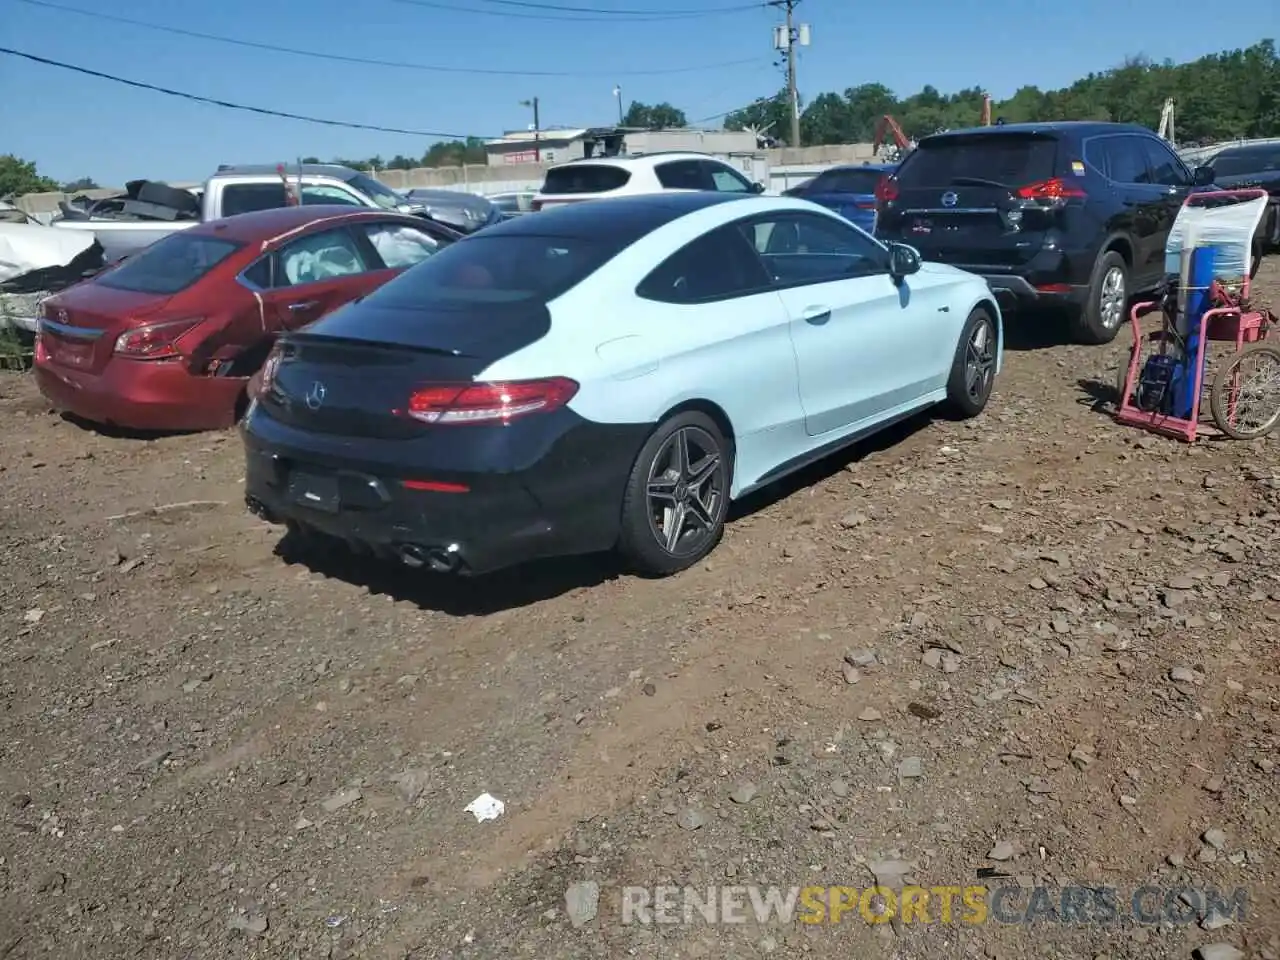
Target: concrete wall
pixel 480 178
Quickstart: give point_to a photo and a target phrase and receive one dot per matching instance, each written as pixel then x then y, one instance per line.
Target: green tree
pixel 75 186
pixel 658 116
pixel 18 176
pixel 1222 96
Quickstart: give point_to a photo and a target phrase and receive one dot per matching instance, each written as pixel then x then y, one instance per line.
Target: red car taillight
pixel 886 190
pixel 464 403
pixel 155 341
pixel 269 369
pixel 1054 190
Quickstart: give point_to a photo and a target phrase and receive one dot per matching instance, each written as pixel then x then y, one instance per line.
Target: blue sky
pixel 76 126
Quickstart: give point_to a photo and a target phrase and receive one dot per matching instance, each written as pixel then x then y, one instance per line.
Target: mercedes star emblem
pixel 315 396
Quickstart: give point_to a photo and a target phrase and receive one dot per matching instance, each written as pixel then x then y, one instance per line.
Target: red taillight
pixel 1055 189
pixel 887 190
pixel 269 369
pixel 463 403
pixel 155 341
pixel 434 486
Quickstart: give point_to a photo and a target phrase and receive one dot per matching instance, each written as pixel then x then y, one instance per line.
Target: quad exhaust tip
pixel 435 559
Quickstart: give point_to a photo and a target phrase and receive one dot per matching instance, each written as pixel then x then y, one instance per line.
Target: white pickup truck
pixel 151 210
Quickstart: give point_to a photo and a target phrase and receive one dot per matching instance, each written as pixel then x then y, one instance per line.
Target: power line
pixel 341 58
pixel 264 111
pixel 594 14
pixel 536 5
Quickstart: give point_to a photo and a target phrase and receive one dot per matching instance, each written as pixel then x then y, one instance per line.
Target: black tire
pixel 164 195
pixel 1096 323
pixel 698 497
pixel 973 369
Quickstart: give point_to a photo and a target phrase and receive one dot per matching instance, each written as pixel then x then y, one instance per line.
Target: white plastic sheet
pixel 1228 228
pixel 25 247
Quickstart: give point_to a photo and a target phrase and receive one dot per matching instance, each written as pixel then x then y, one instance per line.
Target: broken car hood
pixel 27 247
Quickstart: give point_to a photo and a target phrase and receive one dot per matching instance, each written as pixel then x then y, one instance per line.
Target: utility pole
pixel 537 127
pixel 785 40
pixel 617 93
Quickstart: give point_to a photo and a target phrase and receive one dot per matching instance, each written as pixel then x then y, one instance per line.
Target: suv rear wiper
pixel 978 182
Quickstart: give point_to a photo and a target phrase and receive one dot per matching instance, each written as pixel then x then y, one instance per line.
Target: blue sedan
pixel 849 190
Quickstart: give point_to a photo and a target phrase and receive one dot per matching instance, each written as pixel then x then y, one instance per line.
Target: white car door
pixel 866 347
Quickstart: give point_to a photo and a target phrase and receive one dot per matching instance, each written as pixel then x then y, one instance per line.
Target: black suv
pixel 1072 214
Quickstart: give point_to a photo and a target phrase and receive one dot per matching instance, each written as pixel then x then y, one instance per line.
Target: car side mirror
pixel 757 187
pixel 903 260
pixel 1203 176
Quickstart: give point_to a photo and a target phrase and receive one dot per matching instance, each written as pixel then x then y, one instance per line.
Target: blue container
pixel 1195 303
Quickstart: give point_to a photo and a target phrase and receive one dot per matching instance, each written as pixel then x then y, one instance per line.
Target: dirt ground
pixel 1036 651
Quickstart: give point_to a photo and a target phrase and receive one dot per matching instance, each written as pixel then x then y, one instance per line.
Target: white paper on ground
pixel 486 807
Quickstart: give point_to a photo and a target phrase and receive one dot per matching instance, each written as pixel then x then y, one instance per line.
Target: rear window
pixel 1235 164
pixel 497 269
pixel 845 181
pixel 169 265
pixel 585 178
pixel 251 197
pixel 1008 159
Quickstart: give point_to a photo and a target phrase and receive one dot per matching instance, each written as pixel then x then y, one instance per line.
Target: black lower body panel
pixel 461 499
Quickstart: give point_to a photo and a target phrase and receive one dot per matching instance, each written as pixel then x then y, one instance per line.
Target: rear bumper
pixel 141 395
pixel 1015 291
pixel 551 485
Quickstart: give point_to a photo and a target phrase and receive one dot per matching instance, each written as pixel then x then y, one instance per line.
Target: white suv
pixel 598 177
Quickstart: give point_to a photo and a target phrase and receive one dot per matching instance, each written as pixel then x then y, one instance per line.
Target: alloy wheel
pixel 980 360
pixel 685 491
pixel 1111 300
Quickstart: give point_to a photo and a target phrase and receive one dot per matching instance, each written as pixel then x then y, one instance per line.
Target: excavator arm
pixel 887 124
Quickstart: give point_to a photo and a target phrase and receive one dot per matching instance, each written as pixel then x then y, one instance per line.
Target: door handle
pixel 816 315
pixel 304 305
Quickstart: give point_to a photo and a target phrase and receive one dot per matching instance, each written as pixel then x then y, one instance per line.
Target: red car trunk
pixel 80 328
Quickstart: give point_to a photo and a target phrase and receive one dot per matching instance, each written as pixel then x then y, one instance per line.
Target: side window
pixel 315 194
pixel 1125 160
pixel 1166 169
pixel 804 248
pixel 726 179
pixel 399 245
pixel 247 197
pixel 716 266
pixel 682 175
pixel 321 256
pixel 260 273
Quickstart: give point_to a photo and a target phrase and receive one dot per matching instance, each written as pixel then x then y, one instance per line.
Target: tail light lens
pixel 155 341
pixel 887 190
pixel 1055 190
pixel 270 368
pixel 463 403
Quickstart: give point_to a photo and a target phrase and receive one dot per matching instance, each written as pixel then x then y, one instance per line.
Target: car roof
pixel 846 167
pixel 641 159
pixel 1077 128
pixel 290 169
pixel 1248 149
pixel 263 225
pixel 625 219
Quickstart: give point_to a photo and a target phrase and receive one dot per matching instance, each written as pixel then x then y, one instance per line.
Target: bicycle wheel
pixel 1245 399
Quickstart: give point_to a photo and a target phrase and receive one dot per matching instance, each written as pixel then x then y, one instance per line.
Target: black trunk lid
pixel 974 199
pixel 353 372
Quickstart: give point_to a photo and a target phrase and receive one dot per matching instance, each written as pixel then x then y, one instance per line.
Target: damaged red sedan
pixel 169 339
